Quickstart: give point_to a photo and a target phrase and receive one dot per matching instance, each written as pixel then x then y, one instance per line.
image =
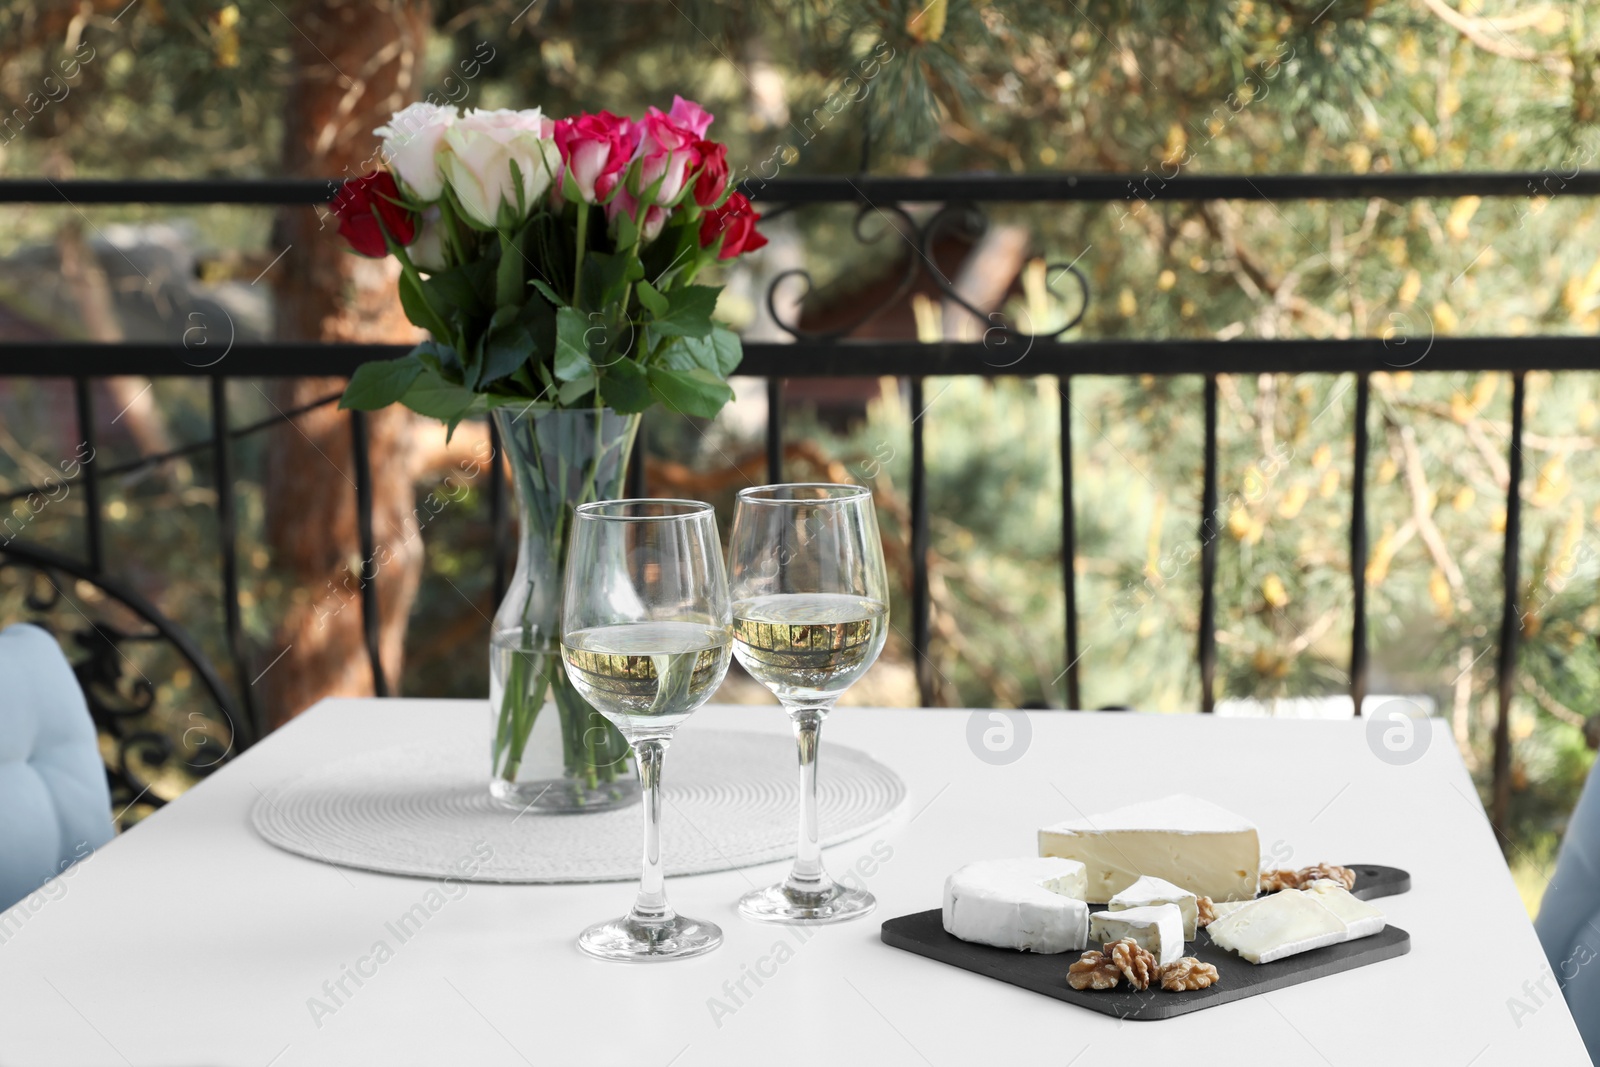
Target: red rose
pixel 713 177
pixel 369 205
pixel 735 221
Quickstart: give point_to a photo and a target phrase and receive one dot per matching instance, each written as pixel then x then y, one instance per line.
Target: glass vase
pixel 551 751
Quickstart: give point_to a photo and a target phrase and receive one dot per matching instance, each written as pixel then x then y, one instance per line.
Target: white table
pixel 191 941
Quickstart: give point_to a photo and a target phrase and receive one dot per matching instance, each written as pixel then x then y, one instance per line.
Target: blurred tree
pixel 367 65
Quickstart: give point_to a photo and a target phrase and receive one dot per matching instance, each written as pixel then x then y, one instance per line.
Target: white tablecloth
pixel 191 941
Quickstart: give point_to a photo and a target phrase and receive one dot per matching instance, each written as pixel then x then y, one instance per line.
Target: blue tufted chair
pixel 55 807
pixel 1569 917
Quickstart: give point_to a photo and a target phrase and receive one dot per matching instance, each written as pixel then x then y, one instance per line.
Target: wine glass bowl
pixel 645 637
pixel 810 614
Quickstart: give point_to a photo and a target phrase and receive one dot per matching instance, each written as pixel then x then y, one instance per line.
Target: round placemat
pixel 728 800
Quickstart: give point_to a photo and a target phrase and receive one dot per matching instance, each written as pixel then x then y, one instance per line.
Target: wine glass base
pixel 635 942
pixel 780 904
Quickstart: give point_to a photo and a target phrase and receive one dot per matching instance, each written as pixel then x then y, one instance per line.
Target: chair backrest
pixel 1569 917
pixel 55 807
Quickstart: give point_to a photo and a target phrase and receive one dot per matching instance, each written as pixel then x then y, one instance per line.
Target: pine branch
pixel 1490 34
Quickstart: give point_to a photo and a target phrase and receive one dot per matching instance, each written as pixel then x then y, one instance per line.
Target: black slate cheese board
pixel 923 934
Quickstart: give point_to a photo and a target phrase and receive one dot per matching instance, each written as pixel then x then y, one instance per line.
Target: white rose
pixel 411 144
pixel 482 146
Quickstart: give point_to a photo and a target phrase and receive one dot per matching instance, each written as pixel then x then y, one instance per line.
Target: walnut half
pixel 1135 962
pixel 1274 881
pixel 1095 970
pixel 1333 873
pixel 1206 912
pixel 1187 973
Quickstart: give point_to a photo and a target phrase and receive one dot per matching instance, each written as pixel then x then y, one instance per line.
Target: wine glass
pixel 810 612
pixel 645 638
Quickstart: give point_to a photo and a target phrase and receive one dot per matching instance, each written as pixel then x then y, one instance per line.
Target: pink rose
pixel 666 153
pixel 712 180
pixel 594 151
pixel 691 116
pixel 655 217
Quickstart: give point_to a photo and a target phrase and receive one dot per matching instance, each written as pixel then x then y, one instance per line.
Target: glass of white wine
pixel 810 611
pixel 645 636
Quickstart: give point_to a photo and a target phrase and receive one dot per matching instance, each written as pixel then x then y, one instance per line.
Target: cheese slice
pixel 1147 892
pixel 1031 904
pixel 1227 907
pixel 1360 918
pixel 1192 843
pixel 1283 924
pixel 1158 930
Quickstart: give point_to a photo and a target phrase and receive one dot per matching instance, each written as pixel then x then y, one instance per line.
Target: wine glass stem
pixel 807 875
pixel 651 906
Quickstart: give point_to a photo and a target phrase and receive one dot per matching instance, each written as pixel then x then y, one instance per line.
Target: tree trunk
pixel 355 63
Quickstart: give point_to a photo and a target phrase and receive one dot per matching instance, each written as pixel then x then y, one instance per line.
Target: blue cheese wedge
pixel 1276 926
pixel 1031 904
pixel 1148 892
pixel 1360 918
pixel 1192 843
pixel 1158 930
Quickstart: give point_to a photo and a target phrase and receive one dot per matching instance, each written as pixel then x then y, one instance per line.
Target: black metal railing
pixel 810 355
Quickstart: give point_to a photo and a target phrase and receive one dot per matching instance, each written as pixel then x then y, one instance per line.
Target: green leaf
pixel 436 398
pixel 501 400
pixel 549 293
pixel 606 277
pixel 459 292
pixel 539 319
pixel 652 300
pixel 627 231
pixel 692 392
pixel 441 359
pixel 626 387
pixel 673 252
pixel 571 392
pixel 516 183
pixel 719 352
pixel 508 287
pixel 419 311
pixel 378 384
pixel 507 349
pixel 572 344
pixel 688 312
pixel 678 355
pixel 522 378
pixel 728 348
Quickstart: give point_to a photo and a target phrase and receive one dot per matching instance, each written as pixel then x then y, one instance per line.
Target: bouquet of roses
pixel 553 263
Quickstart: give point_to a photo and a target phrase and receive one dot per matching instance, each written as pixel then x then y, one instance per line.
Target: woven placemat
pixel 728 800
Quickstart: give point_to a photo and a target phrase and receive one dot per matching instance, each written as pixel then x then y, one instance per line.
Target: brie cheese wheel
pixel 1283 924
pixel 1158 930
pixel 1360 918
pixel 1192 843
pixel 1032 904
pixel 1147 892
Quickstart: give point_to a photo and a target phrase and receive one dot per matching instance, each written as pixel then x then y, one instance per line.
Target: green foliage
pixel 381 383
pixel 504 334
